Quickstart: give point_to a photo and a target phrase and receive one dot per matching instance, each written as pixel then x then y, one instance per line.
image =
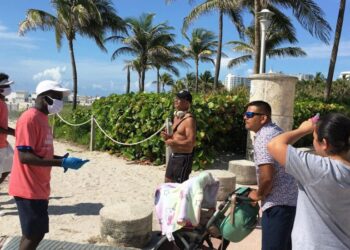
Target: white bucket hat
pixel 47 85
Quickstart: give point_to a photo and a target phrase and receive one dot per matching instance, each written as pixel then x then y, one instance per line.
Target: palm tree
pixel 202 45
pixel 338 31
pixel 308 14
pixel 230 8
pixel 166 58
pixel 190 81
pixel 178 85
pixel 127 68
pixel 273 41
pixel 166 79
pixel 91 18
pixel 207 80
pixel 134 65
pixel 143 40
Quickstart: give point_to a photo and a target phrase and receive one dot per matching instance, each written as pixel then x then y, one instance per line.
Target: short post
pixel 92 134
pixel 169 131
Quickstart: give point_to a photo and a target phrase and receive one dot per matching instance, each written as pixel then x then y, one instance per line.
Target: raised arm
pixel 277 147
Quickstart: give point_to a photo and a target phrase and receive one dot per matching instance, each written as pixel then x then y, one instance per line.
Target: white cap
pixel 47 85
pixel 6 82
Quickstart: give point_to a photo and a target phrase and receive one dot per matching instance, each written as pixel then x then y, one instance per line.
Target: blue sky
pixel 34 57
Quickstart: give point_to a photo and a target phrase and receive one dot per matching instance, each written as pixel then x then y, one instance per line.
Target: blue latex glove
pixel 73 163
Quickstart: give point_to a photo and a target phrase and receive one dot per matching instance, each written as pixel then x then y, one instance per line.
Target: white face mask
pixel 55 107
pixel 6 91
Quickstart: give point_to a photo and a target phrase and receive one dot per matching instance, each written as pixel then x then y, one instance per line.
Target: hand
pixel 254 195
pixel 169 142
pixel 165 135
pixel 72 163
pixel 307 126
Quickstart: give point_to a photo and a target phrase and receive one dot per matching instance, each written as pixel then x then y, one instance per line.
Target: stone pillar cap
pixel 271 76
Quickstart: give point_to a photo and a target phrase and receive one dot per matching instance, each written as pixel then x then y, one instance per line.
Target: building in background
pixel 305 77
pixel 345 75
pixel 232 81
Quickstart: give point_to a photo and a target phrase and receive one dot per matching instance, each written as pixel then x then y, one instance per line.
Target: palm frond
pixel 239 60
pixel 288 51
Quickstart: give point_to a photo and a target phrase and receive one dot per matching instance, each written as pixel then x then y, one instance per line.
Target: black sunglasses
pixel 251 114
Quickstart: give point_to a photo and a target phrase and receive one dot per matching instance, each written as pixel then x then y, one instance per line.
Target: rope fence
pixel 93 121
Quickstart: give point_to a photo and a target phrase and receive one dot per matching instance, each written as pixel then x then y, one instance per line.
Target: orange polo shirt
pixel 30 181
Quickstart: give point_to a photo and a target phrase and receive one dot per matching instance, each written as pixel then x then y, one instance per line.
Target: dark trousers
pixel 277 224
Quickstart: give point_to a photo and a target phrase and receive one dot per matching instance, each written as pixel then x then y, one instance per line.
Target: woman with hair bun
pixel 322 218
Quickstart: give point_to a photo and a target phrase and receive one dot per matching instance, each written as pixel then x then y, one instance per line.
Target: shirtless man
pixel 182 140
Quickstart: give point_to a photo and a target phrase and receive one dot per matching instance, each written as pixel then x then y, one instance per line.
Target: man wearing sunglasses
pixel 277 190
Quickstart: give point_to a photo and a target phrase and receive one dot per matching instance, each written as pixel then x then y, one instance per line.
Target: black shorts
pixel 179 167
pixel 33 216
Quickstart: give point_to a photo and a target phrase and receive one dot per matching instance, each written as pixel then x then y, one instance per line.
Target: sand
pixel 78 195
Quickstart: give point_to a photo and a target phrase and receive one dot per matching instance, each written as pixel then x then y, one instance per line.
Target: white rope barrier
pixel 127 144
pixel 105 133
pixel 71 124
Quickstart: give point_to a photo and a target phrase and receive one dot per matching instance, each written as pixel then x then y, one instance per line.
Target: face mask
pixel 55 107
pixel 6 91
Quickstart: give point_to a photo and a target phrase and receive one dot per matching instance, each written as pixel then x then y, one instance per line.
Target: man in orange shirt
pixel 32 162
pixel 6 152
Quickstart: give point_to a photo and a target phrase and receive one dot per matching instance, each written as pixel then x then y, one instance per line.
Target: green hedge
pixel 304 109
pixel 133 117
pixel 218 126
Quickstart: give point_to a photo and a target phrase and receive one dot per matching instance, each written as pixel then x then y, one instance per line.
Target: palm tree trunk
pixel 338 31
pixel 218 56
pixel 196 62
pixel 128 80
pixel 140 81
pixel 74 71
pixel 257 36
pixel 143 75
pixel 158 83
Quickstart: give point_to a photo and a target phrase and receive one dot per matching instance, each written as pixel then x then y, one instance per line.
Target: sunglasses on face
pixel 251 114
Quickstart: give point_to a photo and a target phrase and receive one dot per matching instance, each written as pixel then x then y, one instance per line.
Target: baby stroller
pixel 234 219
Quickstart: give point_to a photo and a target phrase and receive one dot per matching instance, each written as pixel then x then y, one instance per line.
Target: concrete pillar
pixel 227 182
pixel 127 224
pixel 279 91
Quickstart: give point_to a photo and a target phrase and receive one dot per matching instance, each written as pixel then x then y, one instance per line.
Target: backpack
pixel 244 220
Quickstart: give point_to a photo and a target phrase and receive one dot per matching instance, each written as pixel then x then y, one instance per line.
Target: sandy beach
pixel 78 196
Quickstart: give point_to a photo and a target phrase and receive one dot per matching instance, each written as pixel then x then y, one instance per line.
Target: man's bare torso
pixel 183 130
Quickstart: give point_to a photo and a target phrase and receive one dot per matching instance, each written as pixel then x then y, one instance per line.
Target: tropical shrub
pixel 219 125
pixel 77 134
pixel 131 118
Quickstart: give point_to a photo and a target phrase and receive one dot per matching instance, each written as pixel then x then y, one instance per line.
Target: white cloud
pixel 13 39
pixel 97 86
pixel 249 71
pixel 55 74
pixel 321 50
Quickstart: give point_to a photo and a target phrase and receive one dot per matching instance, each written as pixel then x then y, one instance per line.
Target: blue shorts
pixel 33 216
pixel 277 224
